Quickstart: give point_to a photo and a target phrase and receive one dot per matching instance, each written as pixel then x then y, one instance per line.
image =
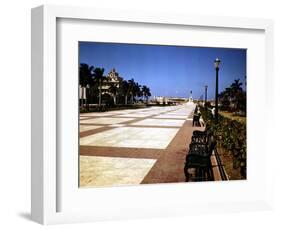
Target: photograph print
pixel 152 114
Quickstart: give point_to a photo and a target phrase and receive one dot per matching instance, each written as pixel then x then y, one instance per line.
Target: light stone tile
pixel 160 122
pixel 83 118
pixel 95 114
pixel 120 111
pixel 117 125
pixel 88 127
pixel 149 112
pixel 132 137
pixel 134 115
pixel 177 113
pixel 170 116
pixel 105 120
pixel 126 111
pixel 113 171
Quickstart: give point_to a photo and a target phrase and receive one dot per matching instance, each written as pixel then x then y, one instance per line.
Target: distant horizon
pixel 169 71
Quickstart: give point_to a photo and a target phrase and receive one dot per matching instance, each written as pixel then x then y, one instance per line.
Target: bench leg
pixel 186 173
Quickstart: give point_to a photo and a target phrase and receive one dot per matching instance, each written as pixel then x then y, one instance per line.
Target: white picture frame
pixel 46 165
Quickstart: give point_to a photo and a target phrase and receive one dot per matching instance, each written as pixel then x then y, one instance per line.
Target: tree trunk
pixel 126 98
pixel 82 97
pixel 114 99
pixel 100 94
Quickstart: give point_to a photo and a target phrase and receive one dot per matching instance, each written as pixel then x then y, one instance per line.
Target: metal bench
pixel 199 156
pixel 196 120
pixel 199 137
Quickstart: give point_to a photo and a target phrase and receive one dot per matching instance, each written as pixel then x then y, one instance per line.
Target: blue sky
pixel 168 70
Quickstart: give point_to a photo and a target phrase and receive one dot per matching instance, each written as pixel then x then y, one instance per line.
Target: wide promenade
pixel 129 147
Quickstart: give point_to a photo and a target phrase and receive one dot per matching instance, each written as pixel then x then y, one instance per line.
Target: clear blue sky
pixel 168 70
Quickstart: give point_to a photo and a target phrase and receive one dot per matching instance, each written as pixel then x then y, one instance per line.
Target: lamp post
pixel 206 90
pixel 86 102
pixel 217 64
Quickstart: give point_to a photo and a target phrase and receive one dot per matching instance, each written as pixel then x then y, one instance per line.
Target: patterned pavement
pixel 129 147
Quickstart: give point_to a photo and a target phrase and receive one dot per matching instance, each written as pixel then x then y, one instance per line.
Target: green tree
pixel 233 98
pixel 124 90
pixel 146 92
pixel 237 94
pixel 85 77
pixel 113 89
pixel 85 74
pixel 131 88
pixel 98 76
pixel 236 86
pixel 137 92
pixel 225 98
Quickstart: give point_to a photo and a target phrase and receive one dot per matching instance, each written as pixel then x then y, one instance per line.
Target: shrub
pixel 231 135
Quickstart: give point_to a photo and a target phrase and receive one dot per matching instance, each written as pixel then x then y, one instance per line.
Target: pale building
pixel 161 100
pixel 112 78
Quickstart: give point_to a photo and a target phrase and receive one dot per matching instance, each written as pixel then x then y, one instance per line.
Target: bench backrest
pixel 202 144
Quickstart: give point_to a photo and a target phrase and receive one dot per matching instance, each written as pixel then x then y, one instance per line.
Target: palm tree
pixel 85 76
pixel 98 75
pixel 113 89
pixel 233 97
pixel 236 91
pixel 225 97
pixel 131 87
pixel 146 92
pixel 236 86
pixel 137 90
pixel 124 90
